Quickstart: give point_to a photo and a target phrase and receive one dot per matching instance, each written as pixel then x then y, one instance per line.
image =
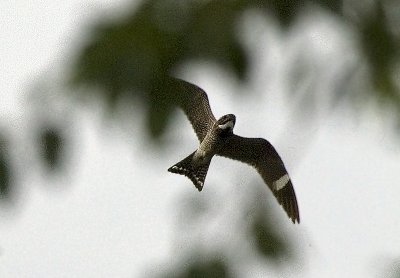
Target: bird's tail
pixel 196 173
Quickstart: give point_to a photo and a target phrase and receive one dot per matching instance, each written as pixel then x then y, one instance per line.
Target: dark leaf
pixel 4 177
pixel 267 240
pixel 381 50
pixel 211 269
pixel 5 170
pixel 334 6
pixel 51 143
pixel 201 267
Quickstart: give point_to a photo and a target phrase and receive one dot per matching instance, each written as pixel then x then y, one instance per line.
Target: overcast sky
pixel 113 214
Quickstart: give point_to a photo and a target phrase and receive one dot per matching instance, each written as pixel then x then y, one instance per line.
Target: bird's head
pixel 226 123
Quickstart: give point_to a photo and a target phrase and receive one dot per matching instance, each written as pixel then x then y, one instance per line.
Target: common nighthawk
pixel 217 138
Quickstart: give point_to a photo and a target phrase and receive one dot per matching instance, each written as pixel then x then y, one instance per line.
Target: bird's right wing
pixel 194 102
pixel 260 154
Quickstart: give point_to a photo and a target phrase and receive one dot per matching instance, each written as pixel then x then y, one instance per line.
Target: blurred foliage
pixel 381 48
pixel 5 171
pixel 268 241
pixel 265 230
pixel 258 234
pixel 51 146
pixel 134 55
pixel 202 267
pixel 392 269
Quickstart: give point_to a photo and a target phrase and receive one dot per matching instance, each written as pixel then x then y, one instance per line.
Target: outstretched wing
pixel 260 154
pixel 194 102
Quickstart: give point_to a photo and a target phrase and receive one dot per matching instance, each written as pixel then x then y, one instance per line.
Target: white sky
pixel 116 218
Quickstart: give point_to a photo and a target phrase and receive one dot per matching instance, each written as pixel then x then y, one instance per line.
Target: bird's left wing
pixel 260 154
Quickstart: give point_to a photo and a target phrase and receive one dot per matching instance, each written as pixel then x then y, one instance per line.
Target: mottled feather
pixel 194 102
pixel 196 174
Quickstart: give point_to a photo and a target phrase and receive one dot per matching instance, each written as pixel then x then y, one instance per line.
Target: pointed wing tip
pixel 295 219
pixel 293 213
pixel 287 199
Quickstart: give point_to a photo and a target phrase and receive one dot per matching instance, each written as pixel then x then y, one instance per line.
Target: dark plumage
pixel 217 138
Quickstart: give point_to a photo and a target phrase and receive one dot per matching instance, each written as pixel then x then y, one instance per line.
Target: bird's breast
pixel 208 146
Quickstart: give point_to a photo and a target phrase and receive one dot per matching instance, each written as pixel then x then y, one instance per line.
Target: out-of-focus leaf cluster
pixel 40 146
pixel 135 55
pixel 132 56
pixel 268 241
pixel 258 236
pixel 202 267
pixel 269 237
pixel 51 144
pixel 392 268
pixel 5 168
pixel 380 44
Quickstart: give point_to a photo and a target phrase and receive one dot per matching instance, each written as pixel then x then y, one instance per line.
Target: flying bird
pixel 217 138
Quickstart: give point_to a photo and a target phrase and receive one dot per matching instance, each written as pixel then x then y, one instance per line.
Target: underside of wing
pixel 194 102
pixel 260 154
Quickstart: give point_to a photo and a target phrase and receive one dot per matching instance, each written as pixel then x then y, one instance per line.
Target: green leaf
pixel 51 144
pixel 5 170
